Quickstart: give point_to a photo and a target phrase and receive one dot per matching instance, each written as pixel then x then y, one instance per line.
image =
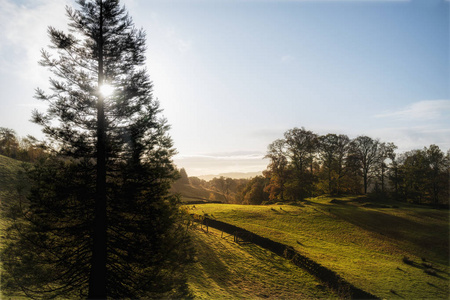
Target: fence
pixel 327 276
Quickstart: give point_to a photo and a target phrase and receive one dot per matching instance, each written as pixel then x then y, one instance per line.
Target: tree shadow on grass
pixel 212 265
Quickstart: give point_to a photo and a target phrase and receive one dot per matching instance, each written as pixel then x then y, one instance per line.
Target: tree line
pixel 304 164
pixel 27 148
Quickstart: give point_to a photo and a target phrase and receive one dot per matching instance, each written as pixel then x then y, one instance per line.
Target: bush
pixel 407 260
pixel 430 271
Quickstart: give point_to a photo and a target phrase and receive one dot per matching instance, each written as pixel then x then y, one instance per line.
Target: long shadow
pixel 434 271
pixel 214 268
pixel 435 286
pixel 333 280
pixel 395 227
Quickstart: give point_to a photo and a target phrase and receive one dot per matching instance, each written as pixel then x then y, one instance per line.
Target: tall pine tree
pixel 99 221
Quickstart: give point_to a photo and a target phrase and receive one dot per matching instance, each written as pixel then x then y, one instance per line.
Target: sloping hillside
pixel 227 270
pixel 196 194
pixel 392 251
pixel 10 170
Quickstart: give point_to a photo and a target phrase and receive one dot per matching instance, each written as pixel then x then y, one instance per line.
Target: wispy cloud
pixel 234 155
pixel 170 34
pixel 416 137
pixel 24 33
pixel 225 162
pixel 421 111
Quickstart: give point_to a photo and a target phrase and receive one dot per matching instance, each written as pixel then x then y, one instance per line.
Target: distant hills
pixel 234 175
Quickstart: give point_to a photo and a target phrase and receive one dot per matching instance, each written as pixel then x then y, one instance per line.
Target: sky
pixel 233 75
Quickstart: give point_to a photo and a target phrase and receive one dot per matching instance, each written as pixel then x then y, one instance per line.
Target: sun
pixel 106 90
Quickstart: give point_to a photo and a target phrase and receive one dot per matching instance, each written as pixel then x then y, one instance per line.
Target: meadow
pixel 224 269
pixel 392 250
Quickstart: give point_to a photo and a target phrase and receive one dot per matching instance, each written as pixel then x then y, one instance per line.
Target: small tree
pixel 277 170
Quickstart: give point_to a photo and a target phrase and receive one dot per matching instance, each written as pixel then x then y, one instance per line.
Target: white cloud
pixel 421 111
pixel 415 137
pixel 24 33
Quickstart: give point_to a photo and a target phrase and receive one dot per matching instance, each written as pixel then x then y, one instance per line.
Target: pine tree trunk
pixel 97 277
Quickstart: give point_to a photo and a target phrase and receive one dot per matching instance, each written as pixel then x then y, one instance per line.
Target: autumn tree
pixel 99 221
pixel 253 192
pixel 277 170
pixel 333 151
pixel 9 144
pixel 422 176
pixel 301 149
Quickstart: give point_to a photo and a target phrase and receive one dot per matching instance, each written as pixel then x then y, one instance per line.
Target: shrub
pixel 407 260
pixel 430 272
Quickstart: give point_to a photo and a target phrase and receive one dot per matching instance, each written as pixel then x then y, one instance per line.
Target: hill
pixel 196 194
pixel 393 250
pixel 224 269
pixel 10 170
pixel 234 175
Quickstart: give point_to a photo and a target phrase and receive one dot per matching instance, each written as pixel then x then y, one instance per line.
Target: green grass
pixel 11 182
pixel 364 245
pixel 227 270
pixel 9 170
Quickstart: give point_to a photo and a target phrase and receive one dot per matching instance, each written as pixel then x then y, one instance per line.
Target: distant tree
pixel 27 149
pixel 365 151
pixel 385 152
pixel 253 193
pixel 99 221
pixel 393 173
pixel 413 174
pixel 277 170
pixel 197 181
pixel 439 170
pixel 224 186
pixel 341 154
pixel 9 144
pixel 422 176
pixel 301 148
pixel 183 177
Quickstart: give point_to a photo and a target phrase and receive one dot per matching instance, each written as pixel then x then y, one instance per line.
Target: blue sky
pixel 233 75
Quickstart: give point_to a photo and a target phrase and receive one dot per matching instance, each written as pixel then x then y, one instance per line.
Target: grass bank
pixel 227 270
pixel 362 241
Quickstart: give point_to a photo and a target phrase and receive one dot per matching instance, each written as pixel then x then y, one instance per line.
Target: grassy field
pixel 227 270
pixel 359 240
pixel 9 172
pixel 9 183
pixel 363 241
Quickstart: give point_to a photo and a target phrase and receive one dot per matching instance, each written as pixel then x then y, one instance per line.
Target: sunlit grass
pixel 227 270
pixel 364 245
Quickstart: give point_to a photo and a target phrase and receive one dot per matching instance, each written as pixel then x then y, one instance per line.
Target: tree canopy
pixel 304 164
